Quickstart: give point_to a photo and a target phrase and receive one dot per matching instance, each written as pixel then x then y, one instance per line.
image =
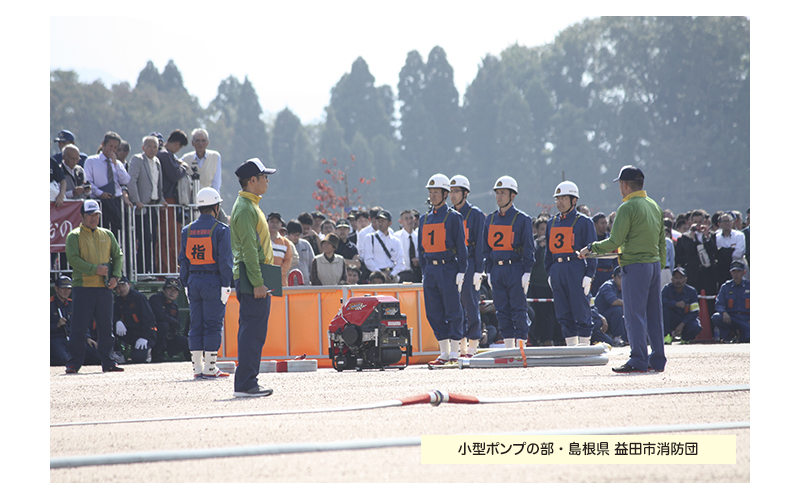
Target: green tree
pixel 359 105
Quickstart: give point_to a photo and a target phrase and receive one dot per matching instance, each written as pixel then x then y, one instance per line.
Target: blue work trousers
pixel 91 304
pixel 470 299
pixel 572 309
pixel 442 303
pixel 739 322
pixel 510 301
pixel 206 312
pixel 253 322
pixel 616 322
pixel 672 318
pixel 641 294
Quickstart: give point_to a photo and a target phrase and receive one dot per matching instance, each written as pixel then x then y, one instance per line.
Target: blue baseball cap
pixel 64 136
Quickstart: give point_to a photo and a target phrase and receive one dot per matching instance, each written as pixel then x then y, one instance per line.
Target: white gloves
pixel 141 343
pixel 587 285
pixel 476 281
pixel 459 281
pixel 121 329
pixel 526 280
pixel 226 292
pixel 186 290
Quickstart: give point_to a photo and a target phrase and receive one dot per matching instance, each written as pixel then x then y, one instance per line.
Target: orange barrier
pixel 298 321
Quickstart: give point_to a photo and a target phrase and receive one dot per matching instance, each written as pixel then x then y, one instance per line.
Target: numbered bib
pixel 199 248
pixel 434 237
pixel 501 237
pixel 562 240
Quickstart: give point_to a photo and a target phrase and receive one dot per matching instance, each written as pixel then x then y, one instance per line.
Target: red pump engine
pixel 369 332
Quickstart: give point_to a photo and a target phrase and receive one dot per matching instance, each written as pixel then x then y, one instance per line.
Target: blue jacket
pixel 606 296
pixel 584 234
pixel 733 298
pixel 209 249
pixel 441 237
pixel 474 222
pixel 691 309
pixel 514 225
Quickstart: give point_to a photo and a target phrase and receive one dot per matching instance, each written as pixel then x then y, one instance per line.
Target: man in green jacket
pixel 638 231
pixel 252 246
pixel 96 261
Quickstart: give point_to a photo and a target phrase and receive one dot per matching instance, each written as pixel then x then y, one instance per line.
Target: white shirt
pixel 362 236
pixel 305 255
pixel 402 235
pixel 96 171
pixel 151 164
pixel 375 257
pixel 734 240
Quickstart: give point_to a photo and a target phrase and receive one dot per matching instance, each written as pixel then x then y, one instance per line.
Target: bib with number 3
pixel 562 240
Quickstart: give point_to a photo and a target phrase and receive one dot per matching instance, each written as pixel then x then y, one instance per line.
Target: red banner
pixel 63 219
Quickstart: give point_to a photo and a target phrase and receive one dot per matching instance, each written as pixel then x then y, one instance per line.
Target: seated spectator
pixel 382 251
pixel 604 266
pixel 60 316
pixel 377 278
pixel 328 268
pixel 305 253
pixel 732 307
pixel 346 248
pixel 353 275
pixel 282 248
pixel 169 337
pixel 135 321
pixel 681 309
pixel 306 221
pixel 609 304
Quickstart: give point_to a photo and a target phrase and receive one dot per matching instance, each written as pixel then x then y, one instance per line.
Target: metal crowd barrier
pixel 149 250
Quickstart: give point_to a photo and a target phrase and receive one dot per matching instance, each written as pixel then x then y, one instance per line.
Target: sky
pixel 294 53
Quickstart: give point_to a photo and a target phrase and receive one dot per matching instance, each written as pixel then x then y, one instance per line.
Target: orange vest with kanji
pixel 200 246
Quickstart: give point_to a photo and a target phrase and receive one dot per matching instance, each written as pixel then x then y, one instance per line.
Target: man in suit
pixel 146 187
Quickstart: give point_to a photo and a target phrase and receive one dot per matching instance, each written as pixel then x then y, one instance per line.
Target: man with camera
pixel 205 165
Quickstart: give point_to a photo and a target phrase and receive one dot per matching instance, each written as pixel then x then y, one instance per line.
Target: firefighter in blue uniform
pixel 206 269
pixel 474 220
pixel 733 306
pixel 570 277
pixel 508 260
pixel 609 303
pixel 681 308
pixel 443 258
pixel 134 320
pixel 604 266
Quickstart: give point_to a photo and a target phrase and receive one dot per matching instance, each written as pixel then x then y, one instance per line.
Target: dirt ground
pixel 167 390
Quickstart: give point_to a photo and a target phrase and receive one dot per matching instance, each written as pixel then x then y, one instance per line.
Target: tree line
pixel 668 94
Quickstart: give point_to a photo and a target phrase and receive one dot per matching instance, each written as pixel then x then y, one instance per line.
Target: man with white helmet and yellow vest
pixel 474 220
pixel 443 259
pixel 206 269
pixel 508 260
pixel 570 277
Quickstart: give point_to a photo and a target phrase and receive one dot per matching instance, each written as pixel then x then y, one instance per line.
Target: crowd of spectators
pixel 361 248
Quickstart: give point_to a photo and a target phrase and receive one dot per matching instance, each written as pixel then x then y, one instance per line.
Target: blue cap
pixel 64 282
pixel 252 167
pixel 630 173
pixel 617 271
pixel 64 136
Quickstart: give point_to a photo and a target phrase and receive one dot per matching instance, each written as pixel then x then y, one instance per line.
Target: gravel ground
pixel 166 390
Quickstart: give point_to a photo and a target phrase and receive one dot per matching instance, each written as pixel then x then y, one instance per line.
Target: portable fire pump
pixel 369 332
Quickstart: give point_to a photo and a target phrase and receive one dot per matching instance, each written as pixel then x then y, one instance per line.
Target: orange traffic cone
pixel 707 334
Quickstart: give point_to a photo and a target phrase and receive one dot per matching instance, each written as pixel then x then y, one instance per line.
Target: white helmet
pixel 439 181
pixel 506 182
pixel 207 197
pixel 460 181
pixel 567 188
